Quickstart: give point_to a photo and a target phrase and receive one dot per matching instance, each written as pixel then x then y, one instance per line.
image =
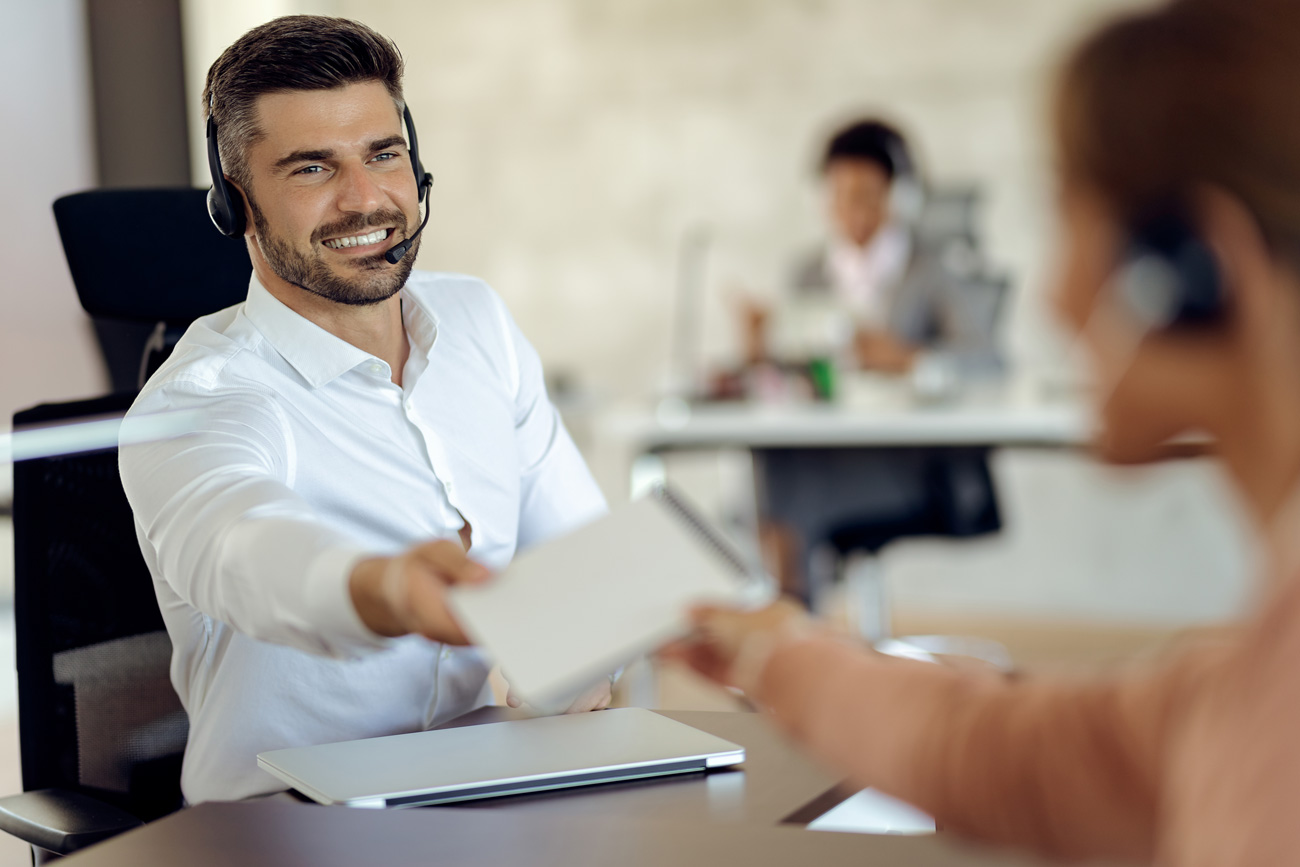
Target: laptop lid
pixel 496 759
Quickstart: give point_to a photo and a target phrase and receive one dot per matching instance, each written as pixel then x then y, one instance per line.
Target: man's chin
pixel 375 262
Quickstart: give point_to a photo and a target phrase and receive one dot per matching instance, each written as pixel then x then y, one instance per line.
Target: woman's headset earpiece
pixel 226 204
pixel 1168 276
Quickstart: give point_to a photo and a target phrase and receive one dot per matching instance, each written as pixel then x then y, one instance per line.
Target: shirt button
pixel 445 653
pixel 376 367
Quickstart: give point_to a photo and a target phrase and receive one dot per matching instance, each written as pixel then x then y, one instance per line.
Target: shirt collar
pixel 317 355
pixel 890 246
pixel 420 322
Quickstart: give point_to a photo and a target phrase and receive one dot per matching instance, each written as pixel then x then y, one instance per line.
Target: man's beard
pixel 376 281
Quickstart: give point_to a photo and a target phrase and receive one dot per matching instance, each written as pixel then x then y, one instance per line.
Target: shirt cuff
pixel 329 605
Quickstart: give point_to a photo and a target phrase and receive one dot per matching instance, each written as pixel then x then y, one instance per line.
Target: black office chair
pixel 959 502
pixel 101 729
pixel 149 257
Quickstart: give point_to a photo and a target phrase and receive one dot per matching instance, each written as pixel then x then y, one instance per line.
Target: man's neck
pixel 374 328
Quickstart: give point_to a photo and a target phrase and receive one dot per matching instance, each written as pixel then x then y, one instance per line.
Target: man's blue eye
pixel 386 156
pixel 309 170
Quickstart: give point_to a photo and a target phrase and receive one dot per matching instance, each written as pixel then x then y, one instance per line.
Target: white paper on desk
pixel 872 812
pixel 576 608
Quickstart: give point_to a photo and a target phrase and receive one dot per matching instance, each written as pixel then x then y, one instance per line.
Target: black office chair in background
pixel 101 729
pixel 149 257
pixel 959 502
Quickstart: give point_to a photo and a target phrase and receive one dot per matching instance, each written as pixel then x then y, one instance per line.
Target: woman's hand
pixel 730 647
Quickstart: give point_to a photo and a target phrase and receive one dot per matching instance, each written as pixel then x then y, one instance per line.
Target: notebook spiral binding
pixel 702 529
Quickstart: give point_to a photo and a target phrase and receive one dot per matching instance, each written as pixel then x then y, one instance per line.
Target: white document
pixel 576 608
pixel 872 812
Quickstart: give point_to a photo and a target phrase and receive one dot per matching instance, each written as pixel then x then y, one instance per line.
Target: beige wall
pixel 47 350
pixel 574 142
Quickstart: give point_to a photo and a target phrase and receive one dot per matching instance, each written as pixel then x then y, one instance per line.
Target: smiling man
pixel 372 435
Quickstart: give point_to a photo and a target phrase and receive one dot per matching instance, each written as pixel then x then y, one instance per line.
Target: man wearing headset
pixel 366 427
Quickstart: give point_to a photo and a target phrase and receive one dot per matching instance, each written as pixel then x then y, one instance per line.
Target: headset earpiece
pixel 225 204
pixel 1168 276
pixel 423 180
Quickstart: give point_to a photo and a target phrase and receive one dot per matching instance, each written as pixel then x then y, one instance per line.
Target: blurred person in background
pixel 894 295
pixel 1179 158
pixel 878 296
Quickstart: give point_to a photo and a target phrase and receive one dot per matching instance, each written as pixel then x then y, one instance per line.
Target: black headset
pixel 1168 276
pixel 226 205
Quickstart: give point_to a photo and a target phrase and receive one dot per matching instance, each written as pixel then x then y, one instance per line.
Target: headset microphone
pixel 395 254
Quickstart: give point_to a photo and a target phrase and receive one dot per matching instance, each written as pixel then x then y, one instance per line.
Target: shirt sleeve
pixel 1070 769
pixel 556 490
pixel 224 529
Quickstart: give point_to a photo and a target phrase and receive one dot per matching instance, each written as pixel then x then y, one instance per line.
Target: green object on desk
pixel 822 373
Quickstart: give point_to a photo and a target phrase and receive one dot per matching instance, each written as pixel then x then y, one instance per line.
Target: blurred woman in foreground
pixel 1181 124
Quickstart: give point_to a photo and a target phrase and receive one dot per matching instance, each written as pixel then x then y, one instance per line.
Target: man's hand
pixel 730 646
pixel 407 593
pixel 882 351
pixel 596 698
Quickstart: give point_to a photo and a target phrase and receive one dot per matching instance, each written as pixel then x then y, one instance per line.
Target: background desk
pixel 721 818
pixel 873 412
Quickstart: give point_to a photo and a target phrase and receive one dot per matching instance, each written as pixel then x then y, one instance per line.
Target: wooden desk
pixel 720 818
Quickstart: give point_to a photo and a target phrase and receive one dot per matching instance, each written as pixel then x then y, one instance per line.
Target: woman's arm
pixel 1067 768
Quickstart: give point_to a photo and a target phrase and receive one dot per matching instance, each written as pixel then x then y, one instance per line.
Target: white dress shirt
pixel 309 460
pixel 862 277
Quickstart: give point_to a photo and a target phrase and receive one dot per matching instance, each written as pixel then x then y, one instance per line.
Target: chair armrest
pixel 61 820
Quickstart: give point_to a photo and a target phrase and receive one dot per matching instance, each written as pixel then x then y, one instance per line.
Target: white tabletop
pixel 872 412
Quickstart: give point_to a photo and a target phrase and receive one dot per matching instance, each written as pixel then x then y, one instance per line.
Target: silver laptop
pixel 495 759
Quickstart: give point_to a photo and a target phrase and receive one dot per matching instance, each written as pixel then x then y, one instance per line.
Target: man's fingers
pixel 448 562
pixel 427 603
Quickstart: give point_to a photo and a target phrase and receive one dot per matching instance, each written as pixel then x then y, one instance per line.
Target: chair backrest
pixel 950 213
pixel 149 255
pixel 97 712
pixel 984 297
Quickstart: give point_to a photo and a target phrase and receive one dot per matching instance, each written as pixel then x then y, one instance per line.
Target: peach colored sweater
pixel 1192 760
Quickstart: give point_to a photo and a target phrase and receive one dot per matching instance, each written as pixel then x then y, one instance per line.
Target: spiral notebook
pixel 574 609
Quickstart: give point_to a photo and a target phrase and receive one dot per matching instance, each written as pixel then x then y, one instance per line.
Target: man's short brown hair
pixel 296 52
